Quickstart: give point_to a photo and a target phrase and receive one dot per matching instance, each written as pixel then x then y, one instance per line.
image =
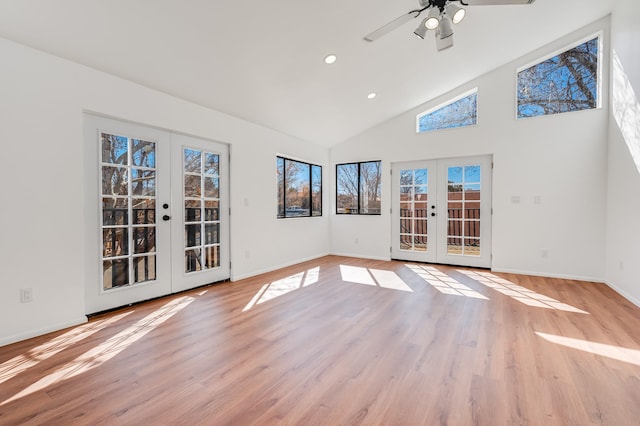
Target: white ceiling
pixel 263 60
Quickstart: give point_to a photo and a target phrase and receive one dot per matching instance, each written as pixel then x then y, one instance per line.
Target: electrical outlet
pixel 26 295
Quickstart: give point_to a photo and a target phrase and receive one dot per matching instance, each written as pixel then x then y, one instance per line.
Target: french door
pixel 441 211
pixel 158 213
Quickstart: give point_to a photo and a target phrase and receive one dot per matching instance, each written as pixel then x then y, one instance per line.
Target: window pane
pixel 144 240
pixel 115 211
pixel 144 269
pixel 115 242
pixel 316 192
pixel 192 186
pixel 201 209
pixel 459 113
pixel 115 273
pixel 212 257
pixel 563 83
pixel 299 188
pixel 143 154
pixel 192 261
pixel 347 188
pixel 192 211
pixel 211 210
pixel 370 177
pixel 143 182
pixel 192 161
pixel 211 164
pixel 115 181
pixel 115 149
pixel 144 211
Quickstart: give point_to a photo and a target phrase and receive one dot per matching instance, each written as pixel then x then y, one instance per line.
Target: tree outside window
pixel 563 83
pixel 358 188
pixel 458 112
pixel 299 188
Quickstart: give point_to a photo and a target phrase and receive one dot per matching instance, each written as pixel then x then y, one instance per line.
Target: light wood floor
pixel 342 341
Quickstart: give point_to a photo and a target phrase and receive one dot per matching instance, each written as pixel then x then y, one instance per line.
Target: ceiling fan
pixel 440 16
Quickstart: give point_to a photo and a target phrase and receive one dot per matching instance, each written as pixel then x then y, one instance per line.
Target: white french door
pixel 442 211
pixel 157 213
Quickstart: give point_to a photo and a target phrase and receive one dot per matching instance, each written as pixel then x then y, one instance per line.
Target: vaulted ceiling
pixel 263 61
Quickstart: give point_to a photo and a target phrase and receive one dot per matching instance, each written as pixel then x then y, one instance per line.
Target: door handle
pixel 433 214
pixel 166 217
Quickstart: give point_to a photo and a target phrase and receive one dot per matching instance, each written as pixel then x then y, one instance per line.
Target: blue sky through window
pixel 565 82
pixel 457 113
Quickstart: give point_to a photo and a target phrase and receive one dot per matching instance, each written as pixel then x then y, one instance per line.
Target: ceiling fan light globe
pixel 433 19
pixel 431 23
pixel 456 12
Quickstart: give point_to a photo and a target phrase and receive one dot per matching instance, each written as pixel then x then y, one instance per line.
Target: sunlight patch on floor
pixel 444 283
pixel 281 287
pixel 108 349
pixel 373 277
pixel 519 293
pixel 11 368
pixel 631 356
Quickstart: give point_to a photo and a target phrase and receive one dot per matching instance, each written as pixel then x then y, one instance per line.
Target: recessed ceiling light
pixel 329 59
pixel 371 95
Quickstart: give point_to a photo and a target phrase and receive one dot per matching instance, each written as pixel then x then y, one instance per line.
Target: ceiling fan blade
pixel 387 28
pixel 495 2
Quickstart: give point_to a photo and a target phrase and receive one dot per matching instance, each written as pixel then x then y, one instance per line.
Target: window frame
pixel 445 104
pixel 358 211
pixel 312 185
pixel 599 35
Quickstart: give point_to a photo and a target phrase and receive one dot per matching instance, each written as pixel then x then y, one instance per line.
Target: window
pixel 458 112
pixel 299 188
pixel 358 188
pixel 565 82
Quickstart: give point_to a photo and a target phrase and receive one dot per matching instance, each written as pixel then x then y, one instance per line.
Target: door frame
pixel 436 178
pixel 95 297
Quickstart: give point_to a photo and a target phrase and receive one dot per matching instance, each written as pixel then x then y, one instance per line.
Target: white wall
pixel 560 158
pixel 623 229
pixel 42 99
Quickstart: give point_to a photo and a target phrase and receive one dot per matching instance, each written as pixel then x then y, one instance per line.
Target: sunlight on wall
pixel 281 287
pixel 519 293
pixel 444 283
pixel 108 349
pixel 626 109
pixel 631 356
pixel 11 368
pixel 373 277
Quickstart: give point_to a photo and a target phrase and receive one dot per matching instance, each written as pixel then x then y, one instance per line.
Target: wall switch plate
pixel 26 295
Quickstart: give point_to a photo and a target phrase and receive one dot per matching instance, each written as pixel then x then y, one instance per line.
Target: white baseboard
pixel 274 268
pixel 41 331
pixel 624 294
pixel 361 256
pixel 549 275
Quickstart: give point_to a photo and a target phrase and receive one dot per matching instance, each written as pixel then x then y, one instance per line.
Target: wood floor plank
pixel 341 341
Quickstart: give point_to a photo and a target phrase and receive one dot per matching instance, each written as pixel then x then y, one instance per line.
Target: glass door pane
pixel 414 230
pixel 463 210
pixel 128 202
pixel 201 210
pixel 465 213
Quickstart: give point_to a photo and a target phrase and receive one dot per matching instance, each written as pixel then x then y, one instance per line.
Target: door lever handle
pixel 166 217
